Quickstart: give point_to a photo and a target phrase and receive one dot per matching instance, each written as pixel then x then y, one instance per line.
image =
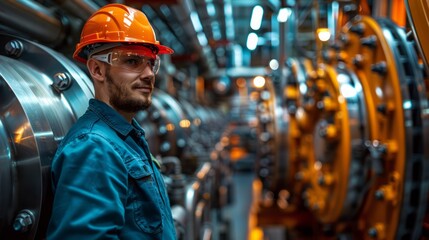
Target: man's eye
pixel 133 61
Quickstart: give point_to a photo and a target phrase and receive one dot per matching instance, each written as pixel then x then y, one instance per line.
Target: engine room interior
pixel 272 119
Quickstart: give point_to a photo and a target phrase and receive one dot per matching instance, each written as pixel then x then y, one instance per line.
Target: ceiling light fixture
pixel 284 14
pixel 256 19
pixel 196 22
pixel 323 34
pixel 202 38
pixel 211 10
pixel 229 21
pixel 252 41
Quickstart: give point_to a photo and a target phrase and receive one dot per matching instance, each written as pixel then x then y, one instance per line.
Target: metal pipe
pixel 33 19
pixel 44 24
pixel 180 217
pixel 183 11
pixel 190 204
pixel 332 20
pixel 82 9
pixel 193 194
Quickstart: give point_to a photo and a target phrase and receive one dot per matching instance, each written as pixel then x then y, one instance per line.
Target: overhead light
pixel 274 64
pixel 284 14
pixel 252 41
pixel 211 10
pixel 196 22
pixel 202 38
pixel 229 21
pixel 216 30
pixel 238 55
pixel 323 34
pixel 256 20
pixel 259 82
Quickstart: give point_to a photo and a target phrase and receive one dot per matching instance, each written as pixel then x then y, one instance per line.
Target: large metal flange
pixel 330 128
pixel 394 92
pixel 42 95
pixel 294 95
pixel 268 137
pixel 279 201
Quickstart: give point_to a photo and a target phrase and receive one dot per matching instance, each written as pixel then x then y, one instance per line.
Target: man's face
pixel 130 91
pixel 129 77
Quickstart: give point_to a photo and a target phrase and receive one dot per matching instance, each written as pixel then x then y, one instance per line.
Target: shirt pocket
pixel 144 197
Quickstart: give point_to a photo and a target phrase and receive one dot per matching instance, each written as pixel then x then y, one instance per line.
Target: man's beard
pixel 120 100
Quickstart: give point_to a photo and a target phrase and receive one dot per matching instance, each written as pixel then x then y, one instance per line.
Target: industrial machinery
pixel 40 100
pixel 356 165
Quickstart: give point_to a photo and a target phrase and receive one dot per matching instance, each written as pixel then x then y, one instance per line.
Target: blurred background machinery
pixel 318 130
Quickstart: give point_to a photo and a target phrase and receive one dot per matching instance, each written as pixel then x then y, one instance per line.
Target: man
pixel 106 184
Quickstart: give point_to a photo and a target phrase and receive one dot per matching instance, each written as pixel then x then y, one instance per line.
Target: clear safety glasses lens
pixel 130 61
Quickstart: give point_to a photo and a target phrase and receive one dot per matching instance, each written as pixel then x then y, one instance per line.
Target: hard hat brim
pixel 164 49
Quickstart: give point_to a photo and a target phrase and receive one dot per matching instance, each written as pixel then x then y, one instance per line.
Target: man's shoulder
pixel 89 125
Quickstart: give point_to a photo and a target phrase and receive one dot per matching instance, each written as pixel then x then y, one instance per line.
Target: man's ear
pixel 96 69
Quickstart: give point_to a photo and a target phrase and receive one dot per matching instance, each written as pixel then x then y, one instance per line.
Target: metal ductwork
pixel 78 8
pixel 183 13
pixel 58 25
pixel 34 20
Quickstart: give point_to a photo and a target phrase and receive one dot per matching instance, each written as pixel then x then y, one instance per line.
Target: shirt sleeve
pixel 90 186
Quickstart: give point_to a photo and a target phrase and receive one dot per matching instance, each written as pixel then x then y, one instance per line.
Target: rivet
pixel 14 48
pixel 62 81
pixel 23 221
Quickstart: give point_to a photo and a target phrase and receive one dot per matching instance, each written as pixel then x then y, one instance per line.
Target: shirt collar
pixel 112 117
pixel 140 131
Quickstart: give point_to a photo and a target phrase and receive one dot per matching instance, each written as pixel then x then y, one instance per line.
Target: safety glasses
pixel 134 60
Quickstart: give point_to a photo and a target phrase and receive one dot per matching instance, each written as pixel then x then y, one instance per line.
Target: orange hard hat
pixel 117 23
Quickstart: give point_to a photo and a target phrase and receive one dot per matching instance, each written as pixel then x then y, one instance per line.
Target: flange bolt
pixel 23 221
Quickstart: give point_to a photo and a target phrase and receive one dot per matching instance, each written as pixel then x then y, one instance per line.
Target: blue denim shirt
pixel 105 183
